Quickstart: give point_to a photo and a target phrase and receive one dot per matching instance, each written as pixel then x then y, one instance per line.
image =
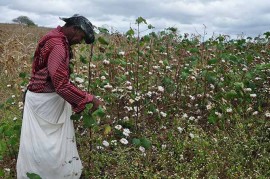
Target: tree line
pixel 24 20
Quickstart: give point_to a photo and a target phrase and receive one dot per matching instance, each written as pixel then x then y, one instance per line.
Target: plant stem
pixel 137 75
pixel 88 89
pixel 89 69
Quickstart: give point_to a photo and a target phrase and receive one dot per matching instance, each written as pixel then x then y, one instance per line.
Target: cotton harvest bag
pixel 47 143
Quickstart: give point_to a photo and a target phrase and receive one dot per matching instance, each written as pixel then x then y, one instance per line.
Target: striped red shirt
pixel 50 70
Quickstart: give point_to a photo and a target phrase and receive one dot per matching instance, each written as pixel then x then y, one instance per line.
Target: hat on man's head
pixel 84 24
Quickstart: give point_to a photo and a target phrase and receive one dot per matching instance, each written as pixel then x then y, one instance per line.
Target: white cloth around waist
pixel 47 143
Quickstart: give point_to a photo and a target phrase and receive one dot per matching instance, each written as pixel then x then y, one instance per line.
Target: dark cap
pixel 84 24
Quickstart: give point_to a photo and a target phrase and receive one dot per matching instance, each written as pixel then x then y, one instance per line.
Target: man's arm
pixel 58 67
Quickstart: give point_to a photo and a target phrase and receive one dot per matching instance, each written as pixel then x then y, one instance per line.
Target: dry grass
pixel 17 46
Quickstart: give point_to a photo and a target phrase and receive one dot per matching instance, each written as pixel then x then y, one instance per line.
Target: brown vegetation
pixel 17 45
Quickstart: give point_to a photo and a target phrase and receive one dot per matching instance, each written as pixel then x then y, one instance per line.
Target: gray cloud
pixel 192 16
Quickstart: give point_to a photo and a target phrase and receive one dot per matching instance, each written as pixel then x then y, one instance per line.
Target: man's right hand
pixel 96 104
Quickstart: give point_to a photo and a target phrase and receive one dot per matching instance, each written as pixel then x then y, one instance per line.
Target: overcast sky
pixel 230 17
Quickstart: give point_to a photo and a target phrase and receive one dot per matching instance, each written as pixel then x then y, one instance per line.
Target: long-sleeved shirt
pixel 50 70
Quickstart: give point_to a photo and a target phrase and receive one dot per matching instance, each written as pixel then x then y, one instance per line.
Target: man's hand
pixel 96 104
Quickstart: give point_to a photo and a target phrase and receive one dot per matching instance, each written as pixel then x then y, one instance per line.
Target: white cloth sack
pixel 47 143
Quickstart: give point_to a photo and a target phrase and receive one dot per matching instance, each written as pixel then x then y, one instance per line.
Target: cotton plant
pixel 124 132
pixel 203 84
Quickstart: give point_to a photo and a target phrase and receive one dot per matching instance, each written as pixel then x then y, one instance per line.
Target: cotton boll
pixel 163 114
pixel 106 62
pixel 79 80
pixel 180 129
pixel 103 78
pixel 108 86
pixel 160 89
pixel 142 149
pixel 121 53
pixel 124 141
pixel 105 143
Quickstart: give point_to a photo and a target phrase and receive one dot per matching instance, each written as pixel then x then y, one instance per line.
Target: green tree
pixel 24 20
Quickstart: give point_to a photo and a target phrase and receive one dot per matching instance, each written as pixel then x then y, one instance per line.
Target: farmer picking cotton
pixel 47 143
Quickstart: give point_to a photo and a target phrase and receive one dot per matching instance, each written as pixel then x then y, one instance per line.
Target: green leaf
pixel 121 79
pixel 267 34
pixel 145 143
pixel 118 62
pixel 172 29
pixel 103 41
pixel 2 128
pixel 9 100
pixel 82 49
pixel 71 68
pixel 168 84
pixel 103 30
pixel 231 94
pixel 75 117
pixel 8 133
pixel 212 119
pixel 24 82
pixel 263 66
pixel 150 26
pixel 211 78
pixel 33 176
pixel 2 173
pixel 146 38
pixel 13 141
pixel 130 32
pixel 3 146
pixel 152 107
pixel 194 50
pixel 184 75
pixel 239 85
pixel 233 58
pixel 107 129
pixel 99 112
pixel 153 34
pixel 83 59
pixel 140 20
pixel 166 62
pixel 250 58
pixel 17 127
pixel 88 107
pixel 22 74
pixel 89 121
pixel 136 142
pixel 212 61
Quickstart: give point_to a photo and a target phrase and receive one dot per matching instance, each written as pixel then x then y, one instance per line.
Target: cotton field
pixel 174 106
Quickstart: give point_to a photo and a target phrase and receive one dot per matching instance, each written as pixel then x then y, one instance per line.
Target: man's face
pixel 77 37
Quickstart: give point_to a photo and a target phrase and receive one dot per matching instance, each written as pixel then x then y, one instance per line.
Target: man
pixel 47 144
